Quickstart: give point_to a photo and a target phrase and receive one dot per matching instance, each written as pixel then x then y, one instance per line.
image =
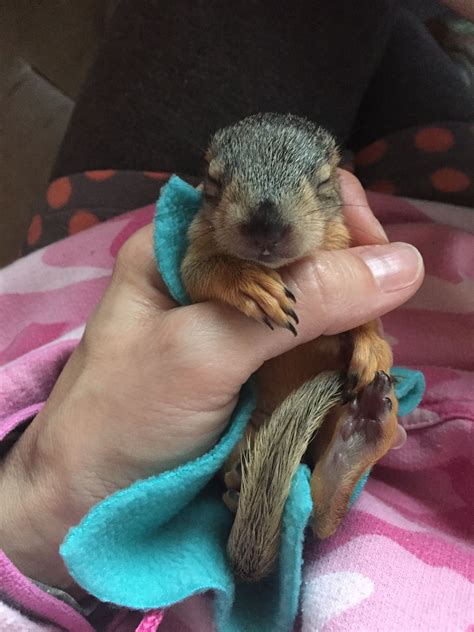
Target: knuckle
pixel 324 275
pixel 333 284
pixel 125 259
pixel 348 179
pixel 135 254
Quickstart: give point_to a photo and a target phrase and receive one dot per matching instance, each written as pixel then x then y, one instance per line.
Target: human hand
pixel 152 385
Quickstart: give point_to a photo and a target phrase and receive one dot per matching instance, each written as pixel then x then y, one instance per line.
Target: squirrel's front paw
pixel 261 294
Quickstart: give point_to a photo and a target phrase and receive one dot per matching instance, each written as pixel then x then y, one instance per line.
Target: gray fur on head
pixel 285 147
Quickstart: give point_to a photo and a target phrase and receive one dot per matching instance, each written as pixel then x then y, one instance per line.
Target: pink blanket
pixel 403 559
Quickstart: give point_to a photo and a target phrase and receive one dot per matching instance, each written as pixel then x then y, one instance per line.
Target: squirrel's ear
pixel 213 180
pixel 324 173
pixel 214 169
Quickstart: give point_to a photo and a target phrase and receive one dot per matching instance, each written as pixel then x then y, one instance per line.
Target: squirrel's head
pixel 271 188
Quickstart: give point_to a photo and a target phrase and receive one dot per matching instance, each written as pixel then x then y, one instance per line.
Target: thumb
pixel 335 291
pixel 351 287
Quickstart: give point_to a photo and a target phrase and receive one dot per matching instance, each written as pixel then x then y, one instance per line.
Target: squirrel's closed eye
pixel 324 187
pixel 324 184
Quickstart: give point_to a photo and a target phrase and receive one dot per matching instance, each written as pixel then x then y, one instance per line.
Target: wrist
pixel 31 529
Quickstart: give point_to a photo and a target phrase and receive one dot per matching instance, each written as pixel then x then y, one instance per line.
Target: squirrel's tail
pixel 268 466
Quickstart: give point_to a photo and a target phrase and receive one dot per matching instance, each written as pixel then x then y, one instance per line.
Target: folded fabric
pixel 163 539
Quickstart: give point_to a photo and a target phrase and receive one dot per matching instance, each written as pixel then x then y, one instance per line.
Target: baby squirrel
pixel 271 197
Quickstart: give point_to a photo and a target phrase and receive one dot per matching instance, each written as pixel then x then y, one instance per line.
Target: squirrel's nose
pixel 264 235
pixel 264 229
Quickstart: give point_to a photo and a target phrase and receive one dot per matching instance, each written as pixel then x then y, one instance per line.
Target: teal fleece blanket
pixel 163 539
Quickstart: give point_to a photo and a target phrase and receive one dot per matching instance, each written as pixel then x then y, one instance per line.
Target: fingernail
pixel 380 232
pixel 394 266
pixel 401 438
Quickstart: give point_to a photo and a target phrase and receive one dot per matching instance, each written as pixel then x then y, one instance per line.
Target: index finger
pixel 364 227
pixel 136 265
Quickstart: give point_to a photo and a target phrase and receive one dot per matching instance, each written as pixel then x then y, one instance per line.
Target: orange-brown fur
pixel 211 271
pixel 212 275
